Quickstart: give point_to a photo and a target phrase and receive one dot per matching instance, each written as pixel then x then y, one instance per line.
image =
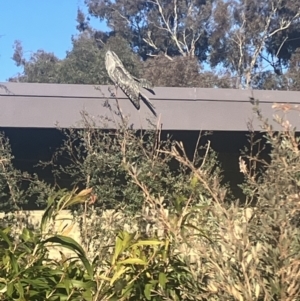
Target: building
pixel 30 114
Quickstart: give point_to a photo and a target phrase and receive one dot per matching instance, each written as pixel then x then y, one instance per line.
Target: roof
pixel 35 105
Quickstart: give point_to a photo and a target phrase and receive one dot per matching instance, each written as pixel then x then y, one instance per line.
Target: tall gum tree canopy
pixel 202 43
pixel 251 37
pixel 84 64
pixel 245 38
pixel 172 27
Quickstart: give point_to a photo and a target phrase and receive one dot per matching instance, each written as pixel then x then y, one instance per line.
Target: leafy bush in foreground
pixel 185 238
pixel 27 272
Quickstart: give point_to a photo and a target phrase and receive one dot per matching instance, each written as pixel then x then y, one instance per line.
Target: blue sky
pixel 38 24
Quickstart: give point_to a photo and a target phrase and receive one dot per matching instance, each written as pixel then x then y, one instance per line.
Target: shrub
pixel 27 272
pixel 16 187
pixel 172 234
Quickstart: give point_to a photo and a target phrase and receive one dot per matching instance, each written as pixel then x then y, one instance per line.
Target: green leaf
pixel 72 283
pixel 4 236
pixel 118 274
pixel 66 242
pixel 80 198
pixel 148 243
pixel 162 280
pixel 47 215
pixel 13 262
pixel 71 244
pixel 122 243
pixel 126 239
pixel 59 297
pixel 36 283
pixel 147 291
pixel 133 261
pixel 63 200
pixel 87 266
pixel 194 182
pixel 87 295
pixel 118 249
pixel 104 278
pixel 26 235
pixel 10 289
pixel 55 272
pixel 174 295
pixel 83 284
pixel 66 284
pixel 20 289
pixel 126 291
pixel 33 293
pixel 178 203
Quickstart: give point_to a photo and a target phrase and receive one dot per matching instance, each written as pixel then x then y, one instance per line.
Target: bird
pixel 128 83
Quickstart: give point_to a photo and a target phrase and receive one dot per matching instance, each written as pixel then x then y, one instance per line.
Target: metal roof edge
pixel 161 93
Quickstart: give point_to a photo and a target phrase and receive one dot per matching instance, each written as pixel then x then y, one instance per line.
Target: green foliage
pixel 16 187
pixel 151 26
pixel 27 272
pixel 42 67
pixel 241 43
pixel 84 64
pixel 181 237
pixel 240 37
pixel 107 161
pixel 144 269
pixel 182 72
pixel 272 184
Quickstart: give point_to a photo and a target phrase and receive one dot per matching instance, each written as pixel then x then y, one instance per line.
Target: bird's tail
pixel 148 104
pixel 144 83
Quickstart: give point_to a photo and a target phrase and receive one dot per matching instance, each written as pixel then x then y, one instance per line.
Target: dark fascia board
pixel 34 105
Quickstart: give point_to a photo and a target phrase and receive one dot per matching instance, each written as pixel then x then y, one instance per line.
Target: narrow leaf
pixel 13 262
pixel 148 243
pixel 133 261
pixel 4 236
pixel 85 192
pixel 87 266
pixel 66 242
pixel 118 249
pixel 118 274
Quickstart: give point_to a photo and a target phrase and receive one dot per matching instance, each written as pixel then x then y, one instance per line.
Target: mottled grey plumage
pixel 129 84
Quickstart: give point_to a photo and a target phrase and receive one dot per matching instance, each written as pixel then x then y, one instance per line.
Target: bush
pixel 16 187
pixel 172 234
pixel 27 272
